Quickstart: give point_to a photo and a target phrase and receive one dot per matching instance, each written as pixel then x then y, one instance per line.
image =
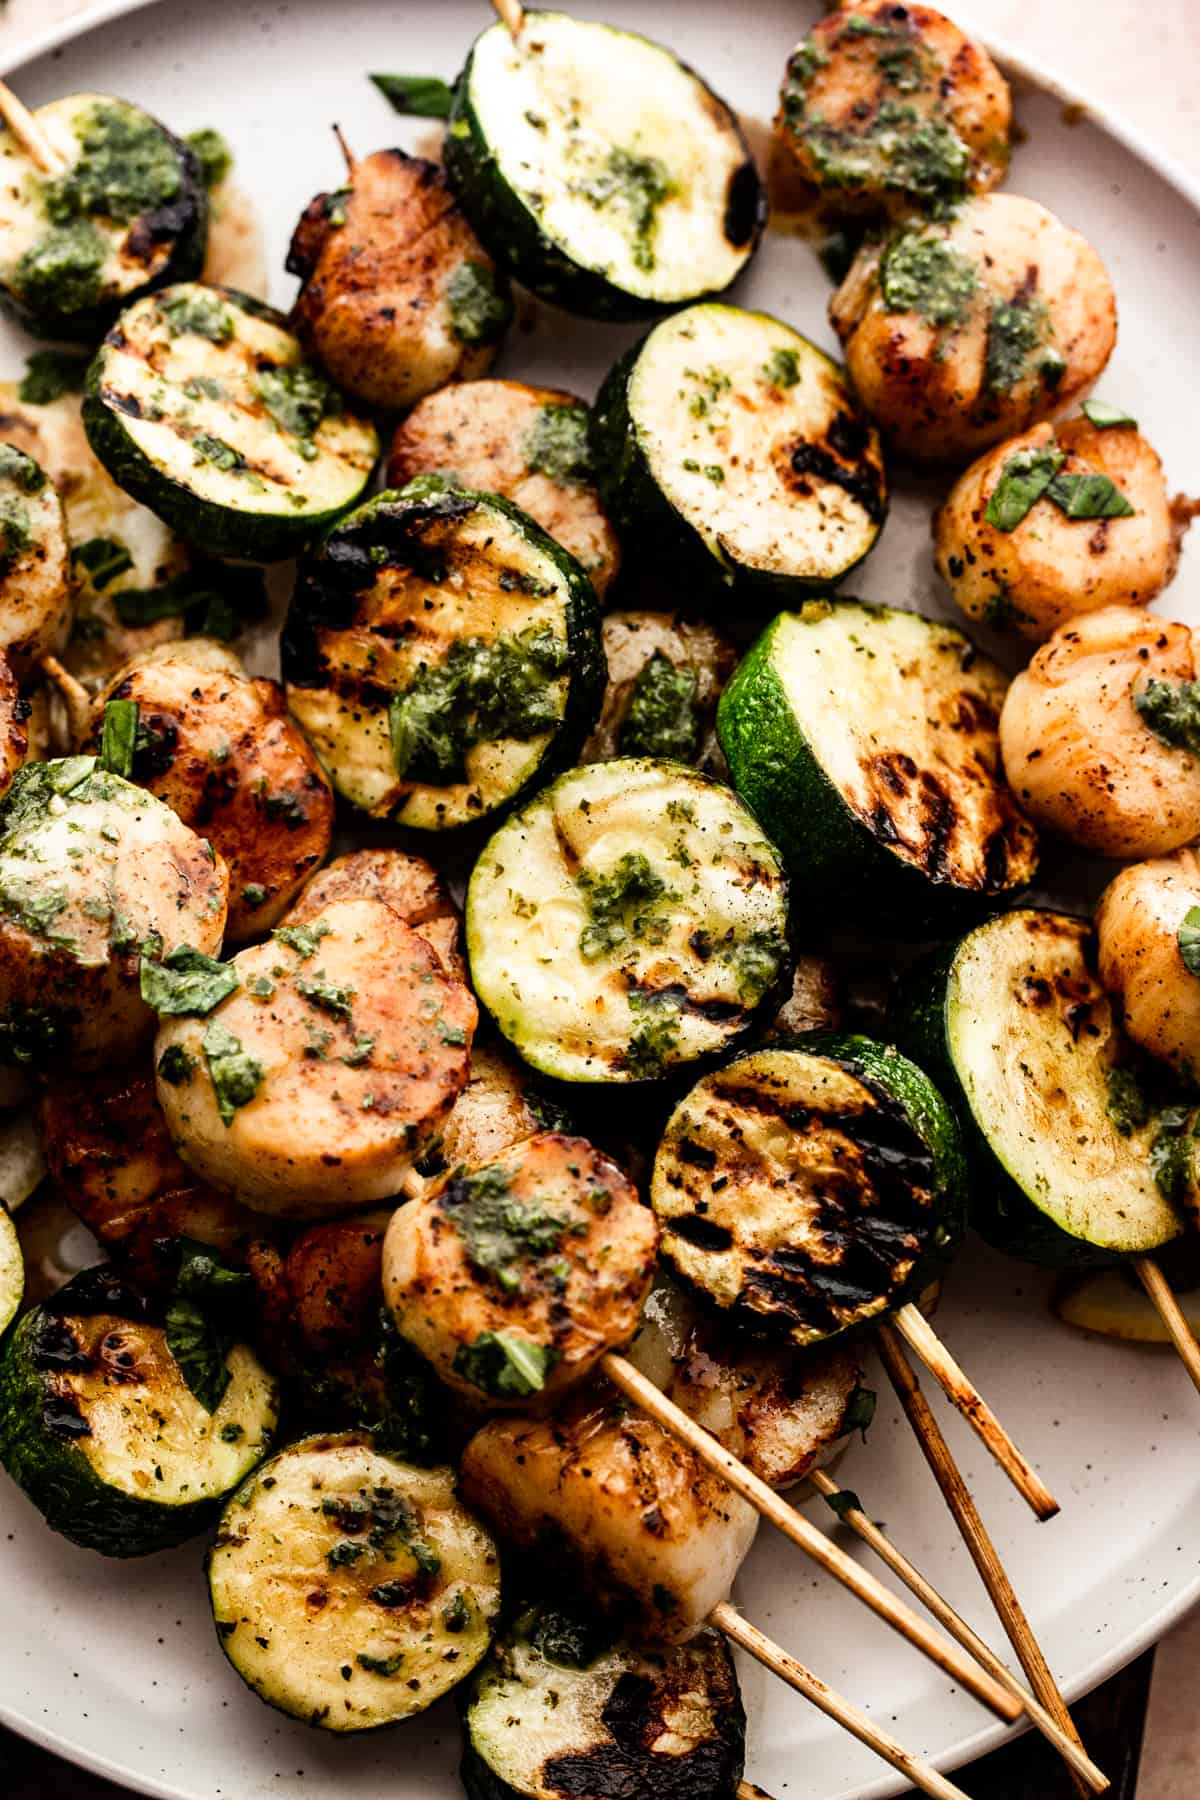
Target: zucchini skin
pixel 186 219
pixel 831 854
pixel 645 518
pixel 219 530
pixel 315 604
pixel 1000 1211
pixel 511 234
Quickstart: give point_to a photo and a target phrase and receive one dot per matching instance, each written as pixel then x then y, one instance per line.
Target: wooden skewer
pixel 727 1619
pixel 1071 1752
pixel 345 149
pixel 746 1790
pixel 962 1393
pixel 805 1535
pixel 29 134
pixel 512 15
pixel 1171 1313
pixel 975 1535
pixel 75 697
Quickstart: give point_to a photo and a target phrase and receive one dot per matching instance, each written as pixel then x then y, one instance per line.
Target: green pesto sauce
pixel 480 693
pixel 662 717
pixel 621 905
pixel 235 1074
pixel 197 314
pixel 381 1524
pixel 501 1233
pixel 756 963
pixel 635 185
pixel 298 398
pixel 64 271
pixel 128 167
pixel 49 374
pixel 556 444
pixel 1017 330
pixel 924 275
pixel 1172 711
pixel 480 312
pixel 212 152
pixel 505 1366
pixel 31 1037
pixel 1126 1104
pixel 656 1038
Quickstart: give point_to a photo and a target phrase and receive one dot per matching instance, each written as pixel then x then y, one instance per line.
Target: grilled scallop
pixel 14 734
pixel 528 444
pixel 331 1278
pixel 35 585
pixel 657 1537
pixel 494 1111
pixel 221 749
pixel 399 296
pixel 408 884
pixel 1052 564
pixel 1144 921
pixel 312 1087
pixel 1099 737
pixel 814 1002
pixel 665 675
pixel 891 106
pixel 965 330
pixel 516 1277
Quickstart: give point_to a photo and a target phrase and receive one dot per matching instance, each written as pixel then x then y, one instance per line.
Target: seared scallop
pixel 494 1111
pixel 1150 955
pixel 665 675
pixel 222 751
pixel 1057 522
pixel 965 330
pixel 14 733
pixel 35 585
pixel 398 295
pixel 92 869
pixel 1100 735
pixel 516 1277
pixel 332 1066
pixel 814 1001
pixel 408 884
pixel 527 444
pixel 891 106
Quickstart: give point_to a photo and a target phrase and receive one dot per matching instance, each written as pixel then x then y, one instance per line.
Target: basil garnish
pixel 417 96
pixel 1089 496
pixel 103 558
pixel 1103 416
pixel 1172 711
pixel 860 1412
pixel 844 1501
pixel 186 982
pixel 1189 940
pixel 234 1073
pixel 118 738
pixel 200 1324
pixel 502 1365
pixel 303 939
pixel 1023 480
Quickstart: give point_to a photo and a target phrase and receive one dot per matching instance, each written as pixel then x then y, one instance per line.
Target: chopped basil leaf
pixel 234 1073
pixel 381 1665
pixel 200 1323
pixel 186 982
pixel 326 994
pixel 1189 940
pixel 303 939
pixel 1089 496
pixel 213 598
pixel 49 374
pixel 176 1064
pixel 212 152
pixel 118 738
pixel 417 96
pixel 1023 480
pixel 1103 416
pixel 505 1366
pixel 843 1502
pixel 103 559
pixel 1172 711
pixel 860 1412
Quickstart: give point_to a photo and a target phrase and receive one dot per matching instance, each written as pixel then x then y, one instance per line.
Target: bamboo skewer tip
pixel 29 134
pixel 1166 1303
pixel 512 16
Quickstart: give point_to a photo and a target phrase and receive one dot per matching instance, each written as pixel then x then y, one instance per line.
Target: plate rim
pixel 988 1737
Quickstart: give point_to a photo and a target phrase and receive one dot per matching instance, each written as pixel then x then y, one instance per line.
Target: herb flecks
pixel 1024 478
pixel 416 96
pixel 235 1074
pixel 922 274
pixel 480 308
pixel 1172 711
pixel 662 717
pixel 186 983
pixel 501 1233
pixel 638 186
pixel 481 692
pixel 1188 938
pixel 622 904
pixel 505 1366
pixel 556 444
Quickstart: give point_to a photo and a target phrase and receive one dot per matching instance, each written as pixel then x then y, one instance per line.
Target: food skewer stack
pixel 232 1038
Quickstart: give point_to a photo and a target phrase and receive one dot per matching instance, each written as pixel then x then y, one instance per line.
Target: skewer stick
pixel 805 1535
pixel 75 696
pixel 29 134
pixel 727 1619
pixel 974 1534
pixel 512 15
pixel 962 1393
pixel 746 1790
pixel 1070 1751
pixel 1171 1313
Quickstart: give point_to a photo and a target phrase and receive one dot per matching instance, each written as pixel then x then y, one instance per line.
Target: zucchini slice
pixel 866 741
pixel 200 404
pixel 99 1427
pixel 554 1714
pixel 350 1589
pixel 1015 1026
pixel 630 918
pixel 730 448
pixel 601 170
pixel 810 1186
pixel 1113 1303
pixel 35 581
pixel 129 213
pixel 12 1270
pixel 442 655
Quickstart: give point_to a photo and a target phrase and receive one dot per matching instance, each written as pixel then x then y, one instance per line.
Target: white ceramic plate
pixel 116 1665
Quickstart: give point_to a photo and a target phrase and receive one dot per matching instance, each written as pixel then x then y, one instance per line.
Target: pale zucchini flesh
pixel 200 403
pixel 350 1589
pixel 631 918
pixel 12 1269
pixel 442 653
pixel 600 169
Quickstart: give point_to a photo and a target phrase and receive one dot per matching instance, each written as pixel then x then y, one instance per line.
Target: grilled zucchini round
pixel 199 403
pixel 12 1270
pixel 443 655
pixel 629 919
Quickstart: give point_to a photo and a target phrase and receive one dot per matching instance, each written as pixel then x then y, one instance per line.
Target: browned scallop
pixel 493 1111
pixel 665 675
pixel 965 330
pixel 14 733
pixel 656 1536
pixel 528 444
pixel 333 1280
pixel 35 581
pixel 1051 566
pixel 312 1088
pixel 1096 738
pixel 223 752
pixel 1139 922
pixel 408 884
pixel 398 296
pixel 888 106
pixel 814 1002
pixel 516 1277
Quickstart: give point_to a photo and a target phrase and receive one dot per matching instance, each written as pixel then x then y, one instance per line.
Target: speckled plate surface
pixel 115 1665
